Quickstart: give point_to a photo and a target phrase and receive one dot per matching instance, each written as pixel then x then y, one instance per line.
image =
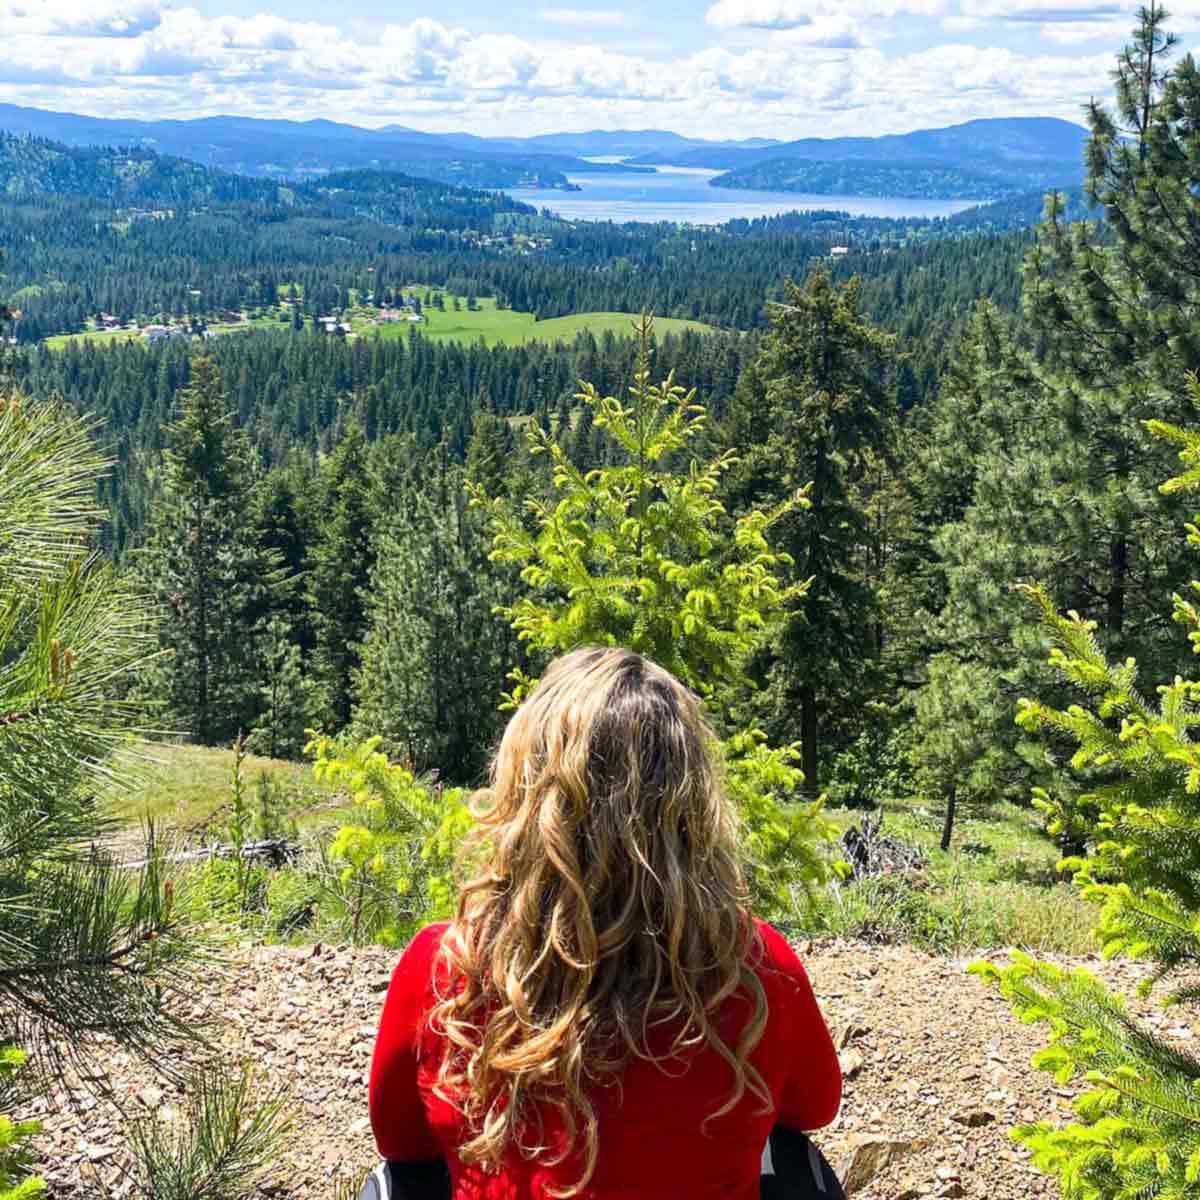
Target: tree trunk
pixel 1118 560
pixel 808 740
pixel 948 825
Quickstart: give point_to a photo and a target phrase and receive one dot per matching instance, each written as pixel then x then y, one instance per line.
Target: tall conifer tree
pixel 817 404
pixel 207 567
pixel 340 569
pixel 435 654
pixel 1043 465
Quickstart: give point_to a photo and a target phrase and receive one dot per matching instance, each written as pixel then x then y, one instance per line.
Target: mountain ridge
pixel 984 159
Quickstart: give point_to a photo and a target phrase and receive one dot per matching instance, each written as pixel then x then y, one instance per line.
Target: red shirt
pixel 650 1135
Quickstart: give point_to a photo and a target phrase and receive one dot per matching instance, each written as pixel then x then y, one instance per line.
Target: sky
pixel 718 69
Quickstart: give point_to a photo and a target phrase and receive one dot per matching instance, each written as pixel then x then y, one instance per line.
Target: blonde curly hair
pixel 612 903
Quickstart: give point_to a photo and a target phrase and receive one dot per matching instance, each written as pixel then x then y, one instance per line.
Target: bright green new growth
pixel 1137 1131
pixel 16 1153
pixel 641 554
pixel 639 551
pixel 391 866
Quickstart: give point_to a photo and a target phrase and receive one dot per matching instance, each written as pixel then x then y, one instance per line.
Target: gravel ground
pixel 936 1065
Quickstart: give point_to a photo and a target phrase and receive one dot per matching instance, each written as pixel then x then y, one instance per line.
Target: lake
pixel 683 194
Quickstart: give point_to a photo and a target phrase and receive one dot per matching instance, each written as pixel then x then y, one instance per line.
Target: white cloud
pixel 1047 11
pixel 604 18
pixel 95 18
pixel 758 14
pixel 790 72
pixel 793 14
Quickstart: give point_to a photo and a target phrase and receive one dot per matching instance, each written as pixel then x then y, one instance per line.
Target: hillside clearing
pixel 934 1061
pixel 502 326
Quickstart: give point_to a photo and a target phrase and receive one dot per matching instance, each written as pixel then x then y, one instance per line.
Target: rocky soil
pixel 936 1068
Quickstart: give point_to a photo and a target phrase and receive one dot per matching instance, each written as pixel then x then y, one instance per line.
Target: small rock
pixel 848 1033
pixel 870 1157
pixel 852 1062
pixel 973 1118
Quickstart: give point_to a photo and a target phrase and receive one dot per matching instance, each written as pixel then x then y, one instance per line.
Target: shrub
pixel 1137 1126
pixel 390 868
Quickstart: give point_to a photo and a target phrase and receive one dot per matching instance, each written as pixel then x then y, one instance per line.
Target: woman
pixel 603 1018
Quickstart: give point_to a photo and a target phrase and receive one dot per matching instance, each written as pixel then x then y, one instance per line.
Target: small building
pixel 160 333
pixel 838 251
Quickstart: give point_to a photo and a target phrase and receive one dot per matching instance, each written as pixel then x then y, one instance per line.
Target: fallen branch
pixel 276 852
pixel 871 852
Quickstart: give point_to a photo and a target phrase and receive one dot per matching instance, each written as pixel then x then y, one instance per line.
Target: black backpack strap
pixel 408 1181
pixel 794 1169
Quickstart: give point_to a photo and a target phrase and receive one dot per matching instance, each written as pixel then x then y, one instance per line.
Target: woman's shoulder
pixel 774 953
pixel 428 938
pixel 417 960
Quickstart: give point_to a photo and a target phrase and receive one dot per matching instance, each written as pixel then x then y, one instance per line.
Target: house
pixel 838 251
pixel 160 333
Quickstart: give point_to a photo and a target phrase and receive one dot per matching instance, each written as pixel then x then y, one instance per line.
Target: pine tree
pixel 1136 775
pixel 991 503
pixel 1043 464
pixel 340 570
pixel 818 407
pixel 87 952
pixel 289 700
pixel 435 654
pixel 641 554
pixel 207 568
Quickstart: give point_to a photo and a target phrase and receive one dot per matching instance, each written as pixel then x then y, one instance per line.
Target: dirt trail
pixel 934 1060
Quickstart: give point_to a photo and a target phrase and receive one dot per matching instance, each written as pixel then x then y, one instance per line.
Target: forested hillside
pixel 906 514
pixel 307 149
pixel 139 237
pixel 984 160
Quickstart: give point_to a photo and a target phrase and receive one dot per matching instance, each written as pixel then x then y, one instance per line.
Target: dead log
pixel 275 852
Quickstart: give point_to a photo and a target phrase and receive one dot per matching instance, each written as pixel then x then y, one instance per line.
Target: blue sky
pixel 718 68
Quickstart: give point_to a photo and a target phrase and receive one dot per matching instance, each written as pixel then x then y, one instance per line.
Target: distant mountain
pixel 301 149
pixel 863 177
pixel 135 181
pixel 980 160
pixel 651 145
pixel 304 149
pixel 1003 157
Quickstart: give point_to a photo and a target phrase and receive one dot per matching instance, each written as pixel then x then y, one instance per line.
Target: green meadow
pixel 495 326
pixel 503 326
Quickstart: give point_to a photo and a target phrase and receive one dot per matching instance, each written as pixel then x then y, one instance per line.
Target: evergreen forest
pixel 909 504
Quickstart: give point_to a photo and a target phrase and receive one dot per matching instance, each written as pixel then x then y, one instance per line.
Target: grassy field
pixel 501 326
pixel 186 788
pixel 496 326
pixel 997 886
pixel 100 337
